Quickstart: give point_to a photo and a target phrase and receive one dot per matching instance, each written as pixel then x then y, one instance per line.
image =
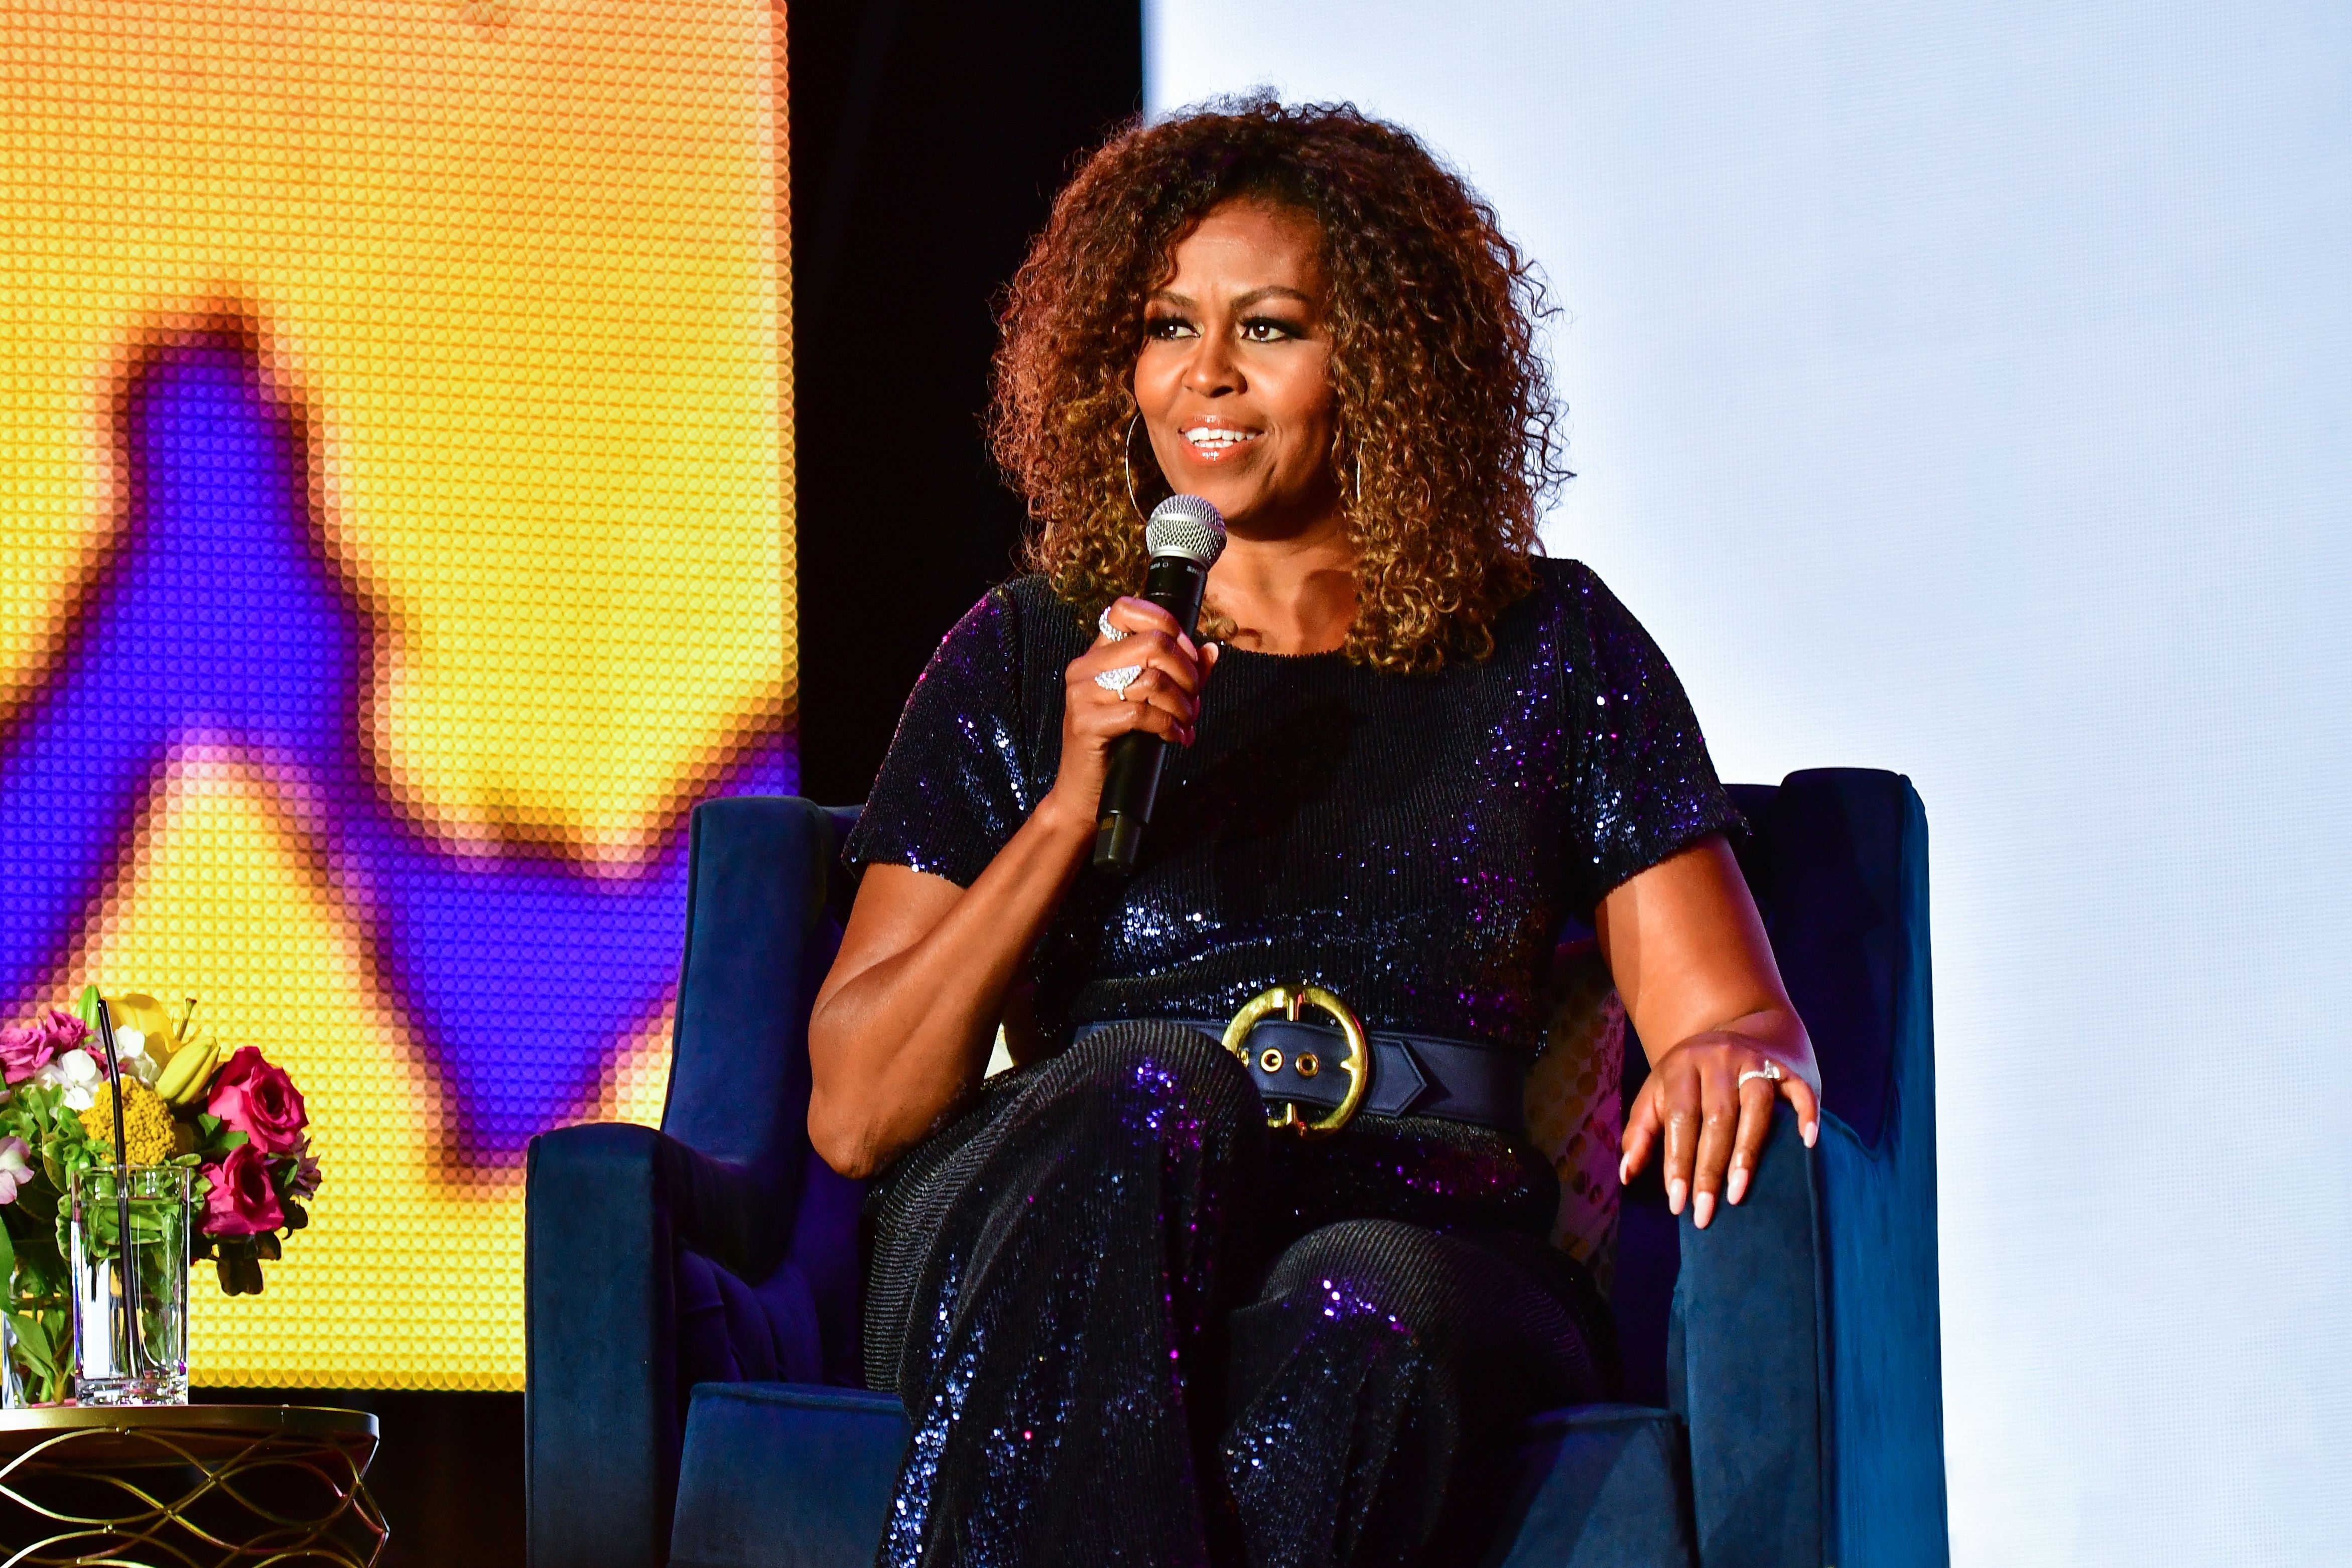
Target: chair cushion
pixel 1576 1115
pixel 728 1332
pixel 784 1476
pixel 1598 1486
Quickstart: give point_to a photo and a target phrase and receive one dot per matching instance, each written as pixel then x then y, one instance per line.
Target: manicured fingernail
pixel 1813 1131
pixel 1737 1189
pixel 1703 1209
pixel 1676 1190
pixel 1186 644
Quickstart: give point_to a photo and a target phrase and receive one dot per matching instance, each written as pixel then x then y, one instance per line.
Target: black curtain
pixel 928 140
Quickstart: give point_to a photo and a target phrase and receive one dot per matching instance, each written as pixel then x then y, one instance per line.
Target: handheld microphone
pixel 1185 535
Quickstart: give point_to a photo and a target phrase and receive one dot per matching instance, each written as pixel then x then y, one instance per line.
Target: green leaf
pixel 87 1007
pixel 34 1342
pixel 208 1125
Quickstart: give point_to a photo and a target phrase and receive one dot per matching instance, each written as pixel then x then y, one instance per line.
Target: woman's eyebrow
pixel 1270 292
pixel 1241 303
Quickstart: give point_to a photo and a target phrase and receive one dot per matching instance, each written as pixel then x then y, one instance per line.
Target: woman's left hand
pixel 1692 961
pixel 1709 1099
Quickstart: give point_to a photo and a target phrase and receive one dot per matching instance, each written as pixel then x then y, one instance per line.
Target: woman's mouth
pixel 1215 443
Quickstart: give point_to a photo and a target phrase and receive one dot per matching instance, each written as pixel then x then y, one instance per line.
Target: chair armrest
pixel 1837 1250
pixel 1745 1357
pixel 606 1207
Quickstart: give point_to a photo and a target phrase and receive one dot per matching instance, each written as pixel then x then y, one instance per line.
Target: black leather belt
pixel 1314 1071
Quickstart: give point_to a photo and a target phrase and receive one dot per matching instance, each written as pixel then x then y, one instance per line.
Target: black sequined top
pixel 1413 843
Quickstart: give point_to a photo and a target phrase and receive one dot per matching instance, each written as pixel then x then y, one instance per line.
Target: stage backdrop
pixel 394 544
pixel 1962 388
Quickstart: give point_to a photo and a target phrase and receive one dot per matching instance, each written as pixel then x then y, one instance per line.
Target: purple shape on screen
pixel 219 618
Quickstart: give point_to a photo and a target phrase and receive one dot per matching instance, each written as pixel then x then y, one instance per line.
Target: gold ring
pixel 1287 1000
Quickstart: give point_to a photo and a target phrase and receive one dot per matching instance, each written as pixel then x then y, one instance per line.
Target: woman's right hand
pixel 1163 701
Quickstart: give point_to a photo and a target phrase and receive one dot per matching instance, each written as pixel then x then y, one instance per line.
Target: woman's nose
pixel 1212 369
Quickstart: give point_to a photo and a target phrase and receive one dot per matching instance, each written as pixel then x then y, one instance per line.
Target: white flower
pixel 81 1074
pixel 137 1061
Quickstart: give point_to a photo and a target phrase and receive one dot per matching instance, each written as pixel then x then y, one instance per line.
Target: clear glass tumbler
pixel 131 1305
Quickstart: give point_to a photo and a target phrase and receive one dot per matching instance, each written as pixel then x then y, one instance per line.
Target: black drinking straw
pixel 121 1186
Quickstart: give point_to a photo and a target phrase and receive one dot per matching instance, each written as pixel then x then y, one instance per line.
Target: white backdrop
pixel 1966 388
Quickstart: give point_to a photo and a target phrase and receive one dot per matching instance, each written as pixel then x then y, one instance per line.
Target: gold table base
pixel 190 1486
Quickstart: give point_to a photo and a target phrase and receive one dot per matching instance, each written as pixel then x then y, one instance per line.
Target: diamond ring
pixel 1118 679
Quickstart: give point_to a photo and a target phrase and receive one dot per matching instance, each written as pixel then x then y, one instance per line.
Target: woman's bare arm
pixel 1698 980
pixel 902 1024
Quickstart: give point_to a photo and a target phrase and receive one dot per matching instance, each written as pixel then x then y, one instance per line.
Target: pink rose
pixel 260 1102
pixel 242 1202
pixel 24 1051
pixel 27 1048
pixel 65 1030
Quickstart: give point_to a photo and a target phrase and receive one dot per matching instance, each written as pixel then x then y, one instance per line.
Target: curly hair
pixel 1445 437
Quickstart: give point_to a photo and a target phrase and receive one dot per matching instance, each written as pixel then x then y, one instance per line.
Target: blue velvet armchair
pixel 693 1293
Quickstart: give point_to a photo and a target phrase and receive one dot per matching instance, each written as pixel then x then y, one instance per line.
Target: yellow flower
pixel 147 1125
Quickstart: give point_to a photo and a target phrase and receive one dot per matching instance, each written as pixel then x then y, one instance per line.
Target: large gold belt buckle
pixel 1287 1000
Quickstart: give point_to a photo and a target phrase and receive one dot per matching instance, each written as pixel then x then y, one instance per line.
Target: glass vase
pixel 35 1321
pixel 131 1303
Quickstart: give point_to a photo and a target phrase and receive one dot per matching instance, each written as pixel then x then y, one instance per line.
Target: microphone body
pixel 1185 536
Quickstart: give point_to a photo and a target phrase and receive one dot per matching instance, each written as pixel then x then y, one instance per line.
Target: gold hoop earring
pixel 1127 462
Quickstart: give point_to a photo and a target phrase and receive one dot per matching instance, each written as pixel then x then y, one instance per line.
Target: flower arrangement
pixel 238 1122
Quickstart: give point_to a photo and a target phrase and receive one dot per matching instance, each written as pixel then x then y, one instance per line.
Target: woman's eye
pixel 1163 327
pixel 1265 329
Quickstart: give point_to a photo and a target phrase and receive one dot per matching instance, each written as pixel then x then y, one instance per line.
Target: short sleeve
pixel 1645 786
pixel 955 786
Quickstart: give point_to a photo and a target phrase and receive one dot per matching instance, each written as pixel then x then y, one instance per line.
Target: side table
pixel 190 1485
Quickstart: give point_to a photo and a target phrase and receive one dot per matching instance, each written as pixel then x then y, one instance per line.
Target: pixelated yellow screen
pixel 394 544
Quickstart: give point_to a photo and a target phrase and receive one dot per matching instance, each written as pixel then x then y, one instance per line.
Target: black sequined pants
pixel 1121 1340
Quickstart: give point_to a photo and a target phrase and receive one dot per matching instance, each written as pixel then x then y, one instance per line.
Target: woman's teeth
pixel 1217 437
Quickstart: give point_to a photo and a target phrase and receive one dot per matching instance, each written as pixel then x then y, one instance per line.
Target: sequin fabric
pixel 1132 1327
pixel 1414 843
pixel 1128 1326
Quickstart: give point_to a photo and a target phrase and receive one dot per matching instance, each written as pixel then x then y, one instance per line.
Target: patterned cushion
pixel 1574 1111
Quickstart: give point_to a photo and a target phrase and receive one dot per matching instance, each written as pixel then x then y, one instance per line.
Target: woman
pixel 1131 1321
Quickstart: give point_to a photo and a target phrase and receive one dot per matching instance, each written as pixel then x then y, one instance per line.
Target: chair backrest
pixel 766 897
pixel 1825 859
pixel 1825 863
pixel 769 895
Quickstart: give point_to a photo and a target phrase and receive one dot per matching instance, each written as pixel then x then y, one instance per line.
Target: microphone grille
pixel 1186 526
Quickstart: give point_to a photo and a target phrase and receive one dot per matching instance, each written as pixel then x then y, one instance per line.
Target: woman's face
pixel 1234 380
